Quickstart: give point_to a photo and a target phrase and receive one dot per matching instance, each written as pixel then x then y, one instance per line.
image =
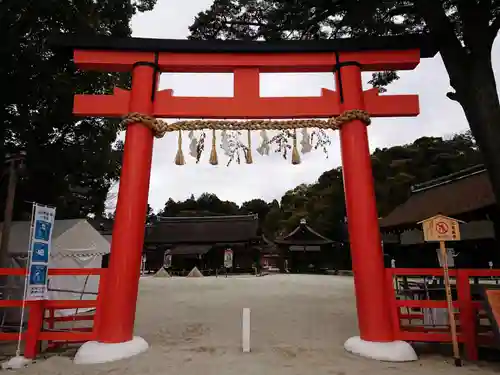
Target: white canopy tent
pixel 75 244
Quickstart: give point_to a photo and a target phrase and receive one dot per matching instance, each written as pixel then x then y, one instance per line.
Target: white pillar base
pixel 16 363
pixel 394 351
pixel 97 352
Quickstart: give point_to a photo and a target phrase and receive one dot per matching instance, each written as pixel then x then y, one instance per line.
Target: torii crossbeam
pixel 345 58
pixel 246 61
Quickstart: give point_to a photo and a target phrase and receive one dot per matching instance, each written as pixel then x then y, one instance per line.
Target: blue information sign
pixel 40 252
pixel 40 242
pixel 43 230
pixel 38 274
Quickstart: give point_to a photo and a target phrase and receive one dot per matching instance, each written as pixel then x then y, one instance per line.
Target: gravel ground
pixel 299 325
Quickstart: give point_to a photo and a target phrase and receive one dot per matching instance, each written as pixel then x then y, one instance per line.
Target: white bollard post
pixel 246 330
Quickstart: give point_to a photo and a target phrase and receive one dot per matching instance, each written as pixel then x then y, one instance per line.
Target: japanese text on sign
pixel 40 243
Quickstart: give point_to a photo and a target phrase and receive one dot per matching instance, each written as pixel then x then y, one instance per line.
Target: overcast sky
pixel 270 176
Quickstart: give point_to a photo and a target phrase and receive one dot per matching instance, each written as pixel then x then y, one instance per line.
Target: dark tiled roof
pixel 212 229
pixel 190 249
pixel 303 235
pixel 453 197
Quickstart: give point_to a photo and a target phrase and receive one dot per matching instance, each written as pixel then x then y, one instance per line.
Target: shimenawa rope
pixel 160 128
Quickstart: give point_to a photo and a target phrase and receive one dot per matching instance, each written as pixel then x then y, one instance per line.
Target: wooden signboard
pixel 442 228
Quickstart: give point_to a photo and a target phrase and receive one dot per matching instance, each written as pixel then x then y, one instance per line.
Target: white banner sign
pixel 167 260
pixel 42 225
pixel 228 258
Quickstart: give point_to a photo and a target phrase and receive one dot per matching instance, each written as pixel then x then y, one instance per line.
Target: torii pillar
pixel 116 316
pixel 376 338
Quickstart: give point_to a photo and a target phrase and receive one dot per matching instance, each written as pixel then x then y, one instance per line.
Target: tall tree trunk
pixel 478 96
pixel 471 75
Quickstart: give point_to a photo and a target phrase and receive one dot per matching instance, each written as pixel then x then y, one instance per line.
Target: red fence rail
pixel 35 332
pixel 467 314
pixel 468 311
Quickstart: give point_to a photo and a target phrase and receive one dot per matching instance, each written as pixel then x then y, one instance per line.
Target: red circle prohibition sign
pixel 441 227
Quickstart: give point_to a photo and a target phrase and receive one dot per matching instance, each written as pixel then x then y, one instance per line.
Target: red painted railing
pixel 35 332
pixel 469 312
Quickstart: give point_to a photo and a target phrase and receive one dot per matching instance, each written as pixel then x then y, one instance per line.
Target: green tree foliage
pixel 397 168
pixel 70 163
pixel 271 226
pixel 150 215
pixel 206 204
pixel 462 30
pixel 322 203
pixel 256 206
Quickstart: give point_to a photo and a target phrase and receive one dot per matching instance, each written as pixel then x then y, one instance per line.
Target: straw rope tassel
pixel 295 151
pixel 179 157
pixel 213 153
pixel 248 154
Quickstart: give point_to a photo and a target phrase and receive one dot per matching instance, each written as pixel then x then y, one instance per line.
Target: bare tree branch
pixel 244 23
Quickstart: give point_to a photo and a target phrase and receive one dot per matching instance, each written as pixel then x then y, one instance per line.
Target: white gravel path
pixel 299 324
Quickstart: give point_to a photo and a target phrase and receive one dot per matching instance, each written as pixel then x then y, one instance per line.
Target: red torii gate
pixel 146 58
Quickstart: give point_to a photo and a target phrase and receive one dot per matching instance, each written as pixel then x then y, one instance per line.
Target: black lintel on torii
pixel 422 42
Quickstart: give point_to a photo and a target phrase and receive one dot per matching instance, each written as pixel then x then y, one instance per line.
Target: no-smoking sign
pixel 441 227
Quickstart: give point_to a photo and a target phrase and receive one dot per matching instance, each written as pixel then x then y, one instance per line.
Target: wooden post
pixel 468 316
pixel 13 161
pixel 449 300
pixel 246 330
pixel 440 228
pixel 35 324
pixel 7 216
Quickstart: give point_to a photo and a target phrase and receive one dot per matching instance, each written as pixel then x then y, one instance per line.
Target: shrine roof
pixel 190 249
pixel 367 43
pixel 268 247
pixel 303 235
pixel 456 194
pixel 205 229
